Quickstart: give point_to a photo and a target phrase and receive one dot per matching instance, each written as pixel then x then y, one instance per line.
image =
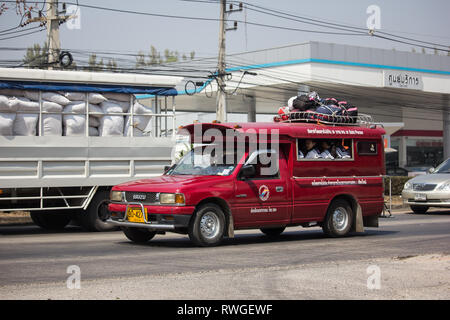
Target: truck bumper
pixel 159 218
pixel 151 225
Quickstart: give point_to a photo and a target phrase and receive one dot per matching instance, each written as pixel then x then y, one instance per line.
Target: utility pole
pixel 221 102
pixel 54 44
pixel 53 20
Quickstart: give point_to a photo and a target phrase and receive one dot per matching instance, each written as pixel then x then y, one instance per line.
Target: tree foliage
pixel 154 57
pixel 36 56
pixel 94 65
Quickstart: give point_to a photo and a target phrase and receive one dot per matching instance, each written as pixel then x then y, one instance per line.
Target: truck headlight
pixel 444 187
pixel 116 196
pixel 171 198
pixel 408 186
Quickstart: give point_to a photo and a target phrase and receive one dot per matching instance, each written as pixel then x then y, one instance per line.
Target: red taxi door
pixel 263 200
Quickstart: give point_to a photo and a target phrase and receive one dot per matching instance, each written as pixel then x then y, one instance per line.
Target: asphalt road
pixel 34 263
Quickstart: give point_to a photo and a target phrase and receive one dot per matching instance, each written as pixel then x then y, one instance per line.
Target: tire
pixel 138 235
pixel 339 219
pixel 272 232
pixel 419 209
pixel 93 218
pixel 50 220
pixel 207 226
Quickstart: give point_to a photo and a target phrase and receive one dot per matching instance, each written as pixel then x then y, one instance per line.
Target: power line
pixel 21 35
pixel 20 31
pixel 339 26
pixel 404 42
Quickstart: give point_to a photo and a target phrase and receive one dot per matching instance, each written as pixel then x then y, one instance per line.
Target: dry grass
pixel 15 217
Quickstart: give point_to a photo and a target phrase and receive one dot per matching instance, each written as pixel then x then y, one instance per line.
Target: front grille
pixel 144 197
pixel 423 187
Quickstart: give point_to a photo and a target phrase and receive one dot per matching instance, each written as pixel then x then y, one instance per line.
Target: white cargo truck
pixel 67 137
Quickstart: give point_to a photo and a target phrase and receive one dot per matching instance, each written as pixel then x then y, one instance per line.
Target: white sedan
pixel 430 190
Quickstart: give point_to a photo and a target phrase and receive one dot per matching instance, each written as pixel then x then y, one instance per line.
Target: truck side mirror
pixel 248 171
pixel 166 168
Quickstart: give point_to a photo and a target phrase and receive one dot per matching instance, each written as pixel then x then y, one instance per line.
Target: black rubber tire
pixel 138 235
pixel 93 218
pixel 419 209
pixel 51 220
pixel 329 227
pixel 195 233
pixel 272 232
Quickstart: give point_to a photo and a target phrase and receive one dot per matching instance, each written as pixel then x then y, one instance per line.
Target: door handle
pixel 279 189
pixel 241 195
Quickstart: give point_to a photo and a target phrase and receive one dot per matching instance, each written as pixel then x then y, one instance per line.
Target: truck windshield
pixel 197 163
pixel 444 167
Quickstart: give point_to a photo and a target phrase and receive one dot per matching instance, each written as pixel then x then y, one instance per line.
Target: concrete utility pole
pixel 221 103
pixel 53 20
pixel 54 44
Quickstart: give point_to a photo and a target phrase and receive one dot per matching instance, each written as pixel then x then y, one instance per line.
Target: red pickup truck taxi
pixel 265 176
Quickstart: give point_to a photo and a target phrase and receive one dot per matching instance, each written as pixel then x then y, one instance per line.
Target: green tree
pixel 94 65
pixel 92 62
pixel 154 56
pixel 140 60
pixel 36 56
pixel 170 56
pixel 111 65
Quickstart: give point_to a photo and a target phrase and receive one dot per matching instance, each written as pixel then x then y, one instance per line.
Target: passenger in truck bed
pixel 341 152
pixel 325 147
pixel 312 152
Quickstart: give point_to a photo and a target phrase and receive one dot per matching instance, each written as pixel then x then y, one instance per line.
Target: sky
pixel 111 31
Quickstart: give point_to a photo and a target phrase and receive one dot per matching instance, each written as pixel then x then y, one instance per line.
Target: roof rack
pixel 335 120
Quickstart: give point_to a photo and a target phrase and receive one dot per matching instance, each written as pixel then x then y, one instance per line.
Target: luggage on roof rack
pixel 316 117
pixel 311 108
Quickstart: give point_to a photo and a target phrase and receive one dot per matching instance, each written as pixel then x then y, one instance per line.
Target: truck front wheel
pixel 207 225
pixel 50 220
pixel 138 235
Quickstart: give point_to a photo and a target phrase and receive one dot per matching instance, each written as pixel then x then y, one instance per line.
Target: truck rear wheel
pixel 50 220
pixel 138 235
pixel 339 219
pixel 207 225
pixel 272 232
pixel 93 219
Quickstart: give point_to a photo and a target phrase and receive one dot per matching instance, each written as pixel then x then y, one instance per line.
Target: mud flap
pixel 230 232
pixel 371 221
pixel 359 224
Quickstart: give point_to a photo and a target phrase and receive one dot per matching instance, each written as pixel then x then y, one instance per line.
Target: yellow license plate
pixel 135 215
